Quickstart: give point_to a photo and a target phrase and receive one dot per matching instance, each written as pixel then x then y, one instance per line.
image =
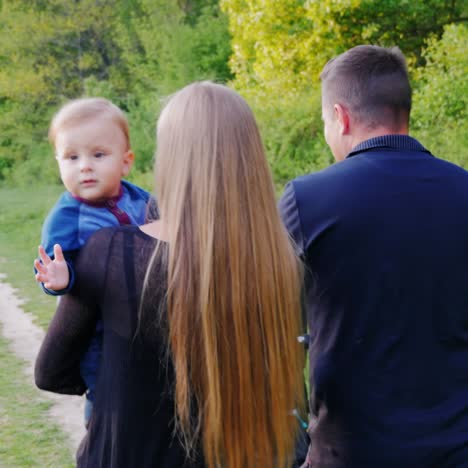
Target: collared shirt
pixel 399 142
pixel 384 238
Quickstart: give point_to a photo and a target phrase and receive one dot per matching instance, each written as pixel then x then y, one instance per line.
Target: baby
pixel 92 147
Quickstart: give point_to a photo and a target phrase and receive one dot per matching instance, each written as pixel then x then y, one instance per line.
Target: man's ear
pixel 128 161
pixel 343 118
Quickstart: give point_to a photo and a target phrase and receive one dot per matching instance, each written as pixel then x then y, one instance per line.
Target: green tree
pixel 282 45
pixel 168 44
pixel 439 116
pixel 48 51
pixel 132 52
pixel 50 48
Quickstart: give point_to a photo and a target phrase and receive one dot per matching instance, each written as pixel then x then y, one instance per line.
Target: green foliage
pixel 40 168
pixel 22 212
pixel 284 44
pixel 48 50
pixel 143 130
pixel 292 130
pixel 139 51
pixel 132 52
pixel 439 115
pixel 23 136
pixel 167 46
pixel 280 47
pixel 211 47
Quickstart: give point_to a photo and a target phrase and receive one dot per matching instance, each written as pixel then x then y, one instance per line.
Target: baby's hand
pixel 53 273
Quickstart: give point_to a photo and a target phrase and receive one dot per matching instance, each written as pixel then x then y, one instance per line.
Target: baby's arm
pixel 54 274
pixel 61 227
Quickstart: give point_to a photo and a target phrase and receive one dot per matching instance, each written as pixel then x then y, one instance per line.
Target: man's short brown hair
pixel 372 82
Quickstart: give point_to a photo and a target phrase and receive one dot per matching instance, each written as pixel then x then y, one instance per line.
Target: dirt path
pixel 24 340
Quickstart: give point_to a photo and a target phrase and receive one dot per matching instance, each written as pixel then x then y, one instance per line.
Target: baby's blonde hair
pixel 82 109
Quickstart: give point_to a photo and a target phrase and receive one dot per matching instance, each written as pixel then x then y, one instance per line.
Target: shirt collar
pixel 109 203
pixel 399 142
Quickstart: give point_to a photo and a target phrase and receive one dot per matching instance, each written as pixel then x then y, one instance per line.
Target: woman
pixel 204 369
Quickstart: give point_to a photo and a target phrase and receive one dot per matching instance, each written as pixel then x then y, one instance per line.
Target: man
pixel 384 236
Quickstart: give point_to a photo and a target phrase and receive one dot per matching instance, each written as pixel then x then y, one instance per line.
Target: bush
pixel 439 117
pixel 143 115
pixel 292 131
pixel 40 169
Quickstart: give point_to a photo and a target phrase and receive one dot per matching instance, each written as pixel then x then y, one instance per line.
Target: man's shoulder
pixel 313 196
pixel 330 171
pixel 325 178
pixel 452 167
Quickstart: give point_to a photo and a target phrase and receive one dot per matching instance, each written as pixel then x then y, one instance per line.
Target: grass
pixel 22 212
pixel 28 436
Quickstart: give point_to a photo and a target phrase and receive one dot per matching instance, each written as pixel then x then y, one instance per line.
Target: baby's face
pixel 93 156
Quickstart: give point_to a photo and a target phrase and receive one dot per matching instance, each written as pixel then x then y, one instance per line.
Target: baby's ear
pixel 128 160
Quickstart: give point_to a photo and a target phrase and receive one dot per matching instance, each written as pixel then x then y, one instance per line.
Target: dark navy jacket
pixel 384 235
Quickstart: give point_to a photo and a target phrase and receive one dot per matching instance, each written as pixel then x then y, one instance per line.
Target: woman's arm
pixel 57 366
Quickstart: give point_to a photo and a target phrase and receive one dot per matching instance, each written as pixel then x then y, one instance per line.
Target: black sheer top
pixel 132 424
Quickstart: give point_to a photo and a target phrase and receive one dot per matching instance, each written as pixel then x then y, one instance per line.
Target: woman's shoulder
pixel 115 241
pixel 108 234
pixel 109 238
pixel 111 253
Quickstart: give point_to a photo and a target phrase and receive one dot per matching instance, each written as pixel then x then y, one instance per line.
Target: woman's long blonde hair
pixel 233 283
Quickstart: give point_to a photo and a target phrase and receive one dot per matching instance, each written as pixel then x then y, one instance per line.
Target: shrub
pixel 439 117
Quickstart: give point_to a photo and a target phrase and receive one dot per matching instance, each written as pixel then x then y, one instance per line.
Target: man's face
pixel 333 131
pixel 92 157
